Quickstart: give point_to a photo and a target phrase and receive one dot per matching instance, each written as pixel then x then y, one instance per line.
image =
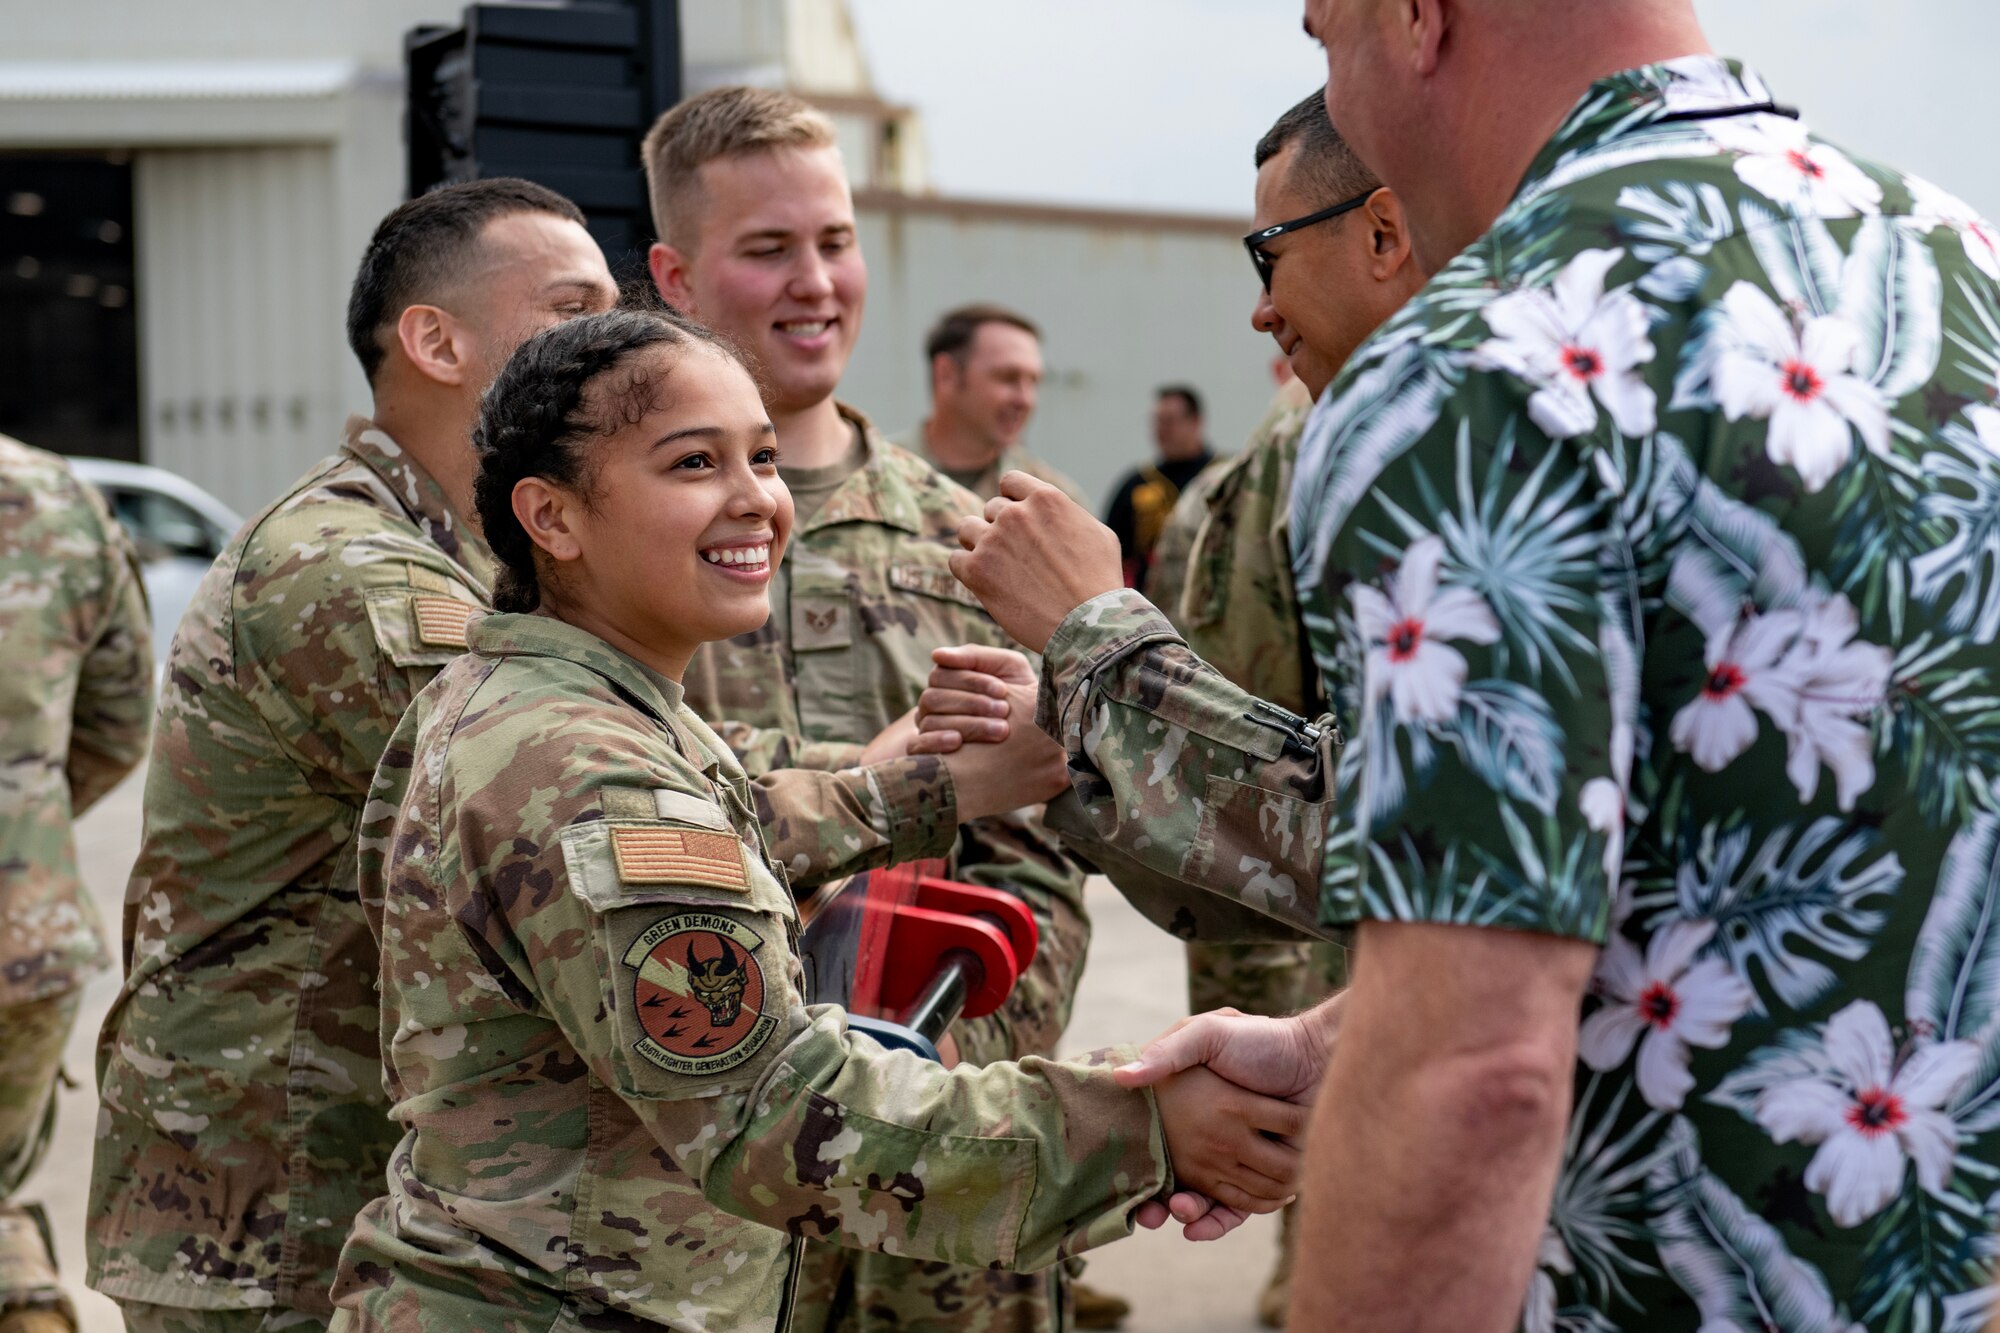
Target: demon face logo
pixel 718 983
pixel 698 997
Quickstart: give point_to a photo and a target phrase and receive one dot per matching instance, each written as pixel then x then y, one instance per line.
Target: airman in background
pixel 76 690
pixel 985 366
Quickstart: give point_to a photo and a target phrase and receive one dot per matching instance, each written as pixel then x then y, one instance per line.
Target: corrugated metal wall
pixel 240 317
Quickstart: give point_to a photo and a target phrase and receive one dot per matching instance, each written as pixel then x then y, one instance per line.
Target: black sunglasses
pixel 1256 240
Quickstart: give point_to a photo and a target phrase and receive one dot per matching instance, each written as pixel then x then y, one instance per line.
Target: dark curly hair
pixel 557 394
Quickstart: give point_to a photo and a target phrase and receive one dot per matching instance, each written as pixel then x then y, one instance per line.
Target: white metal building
pixel 264 141
pixel 263 149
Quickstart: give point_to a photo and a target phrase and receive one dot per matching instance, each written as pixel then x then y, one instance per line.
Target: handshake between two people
pixel 1234 1090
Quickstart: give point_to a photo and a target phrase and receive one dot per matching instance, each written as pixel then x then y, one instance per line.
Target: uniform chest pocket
pixel 822 611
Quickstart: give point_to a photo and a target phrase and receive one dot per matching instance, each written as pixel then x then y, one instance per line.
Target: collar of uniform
pixel 422 498
pixel 876 493
pixel 1620 105
pixel 533 635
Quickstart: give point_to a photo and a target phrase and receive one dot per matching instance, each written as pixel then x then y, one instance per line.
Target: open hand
pixel 1036 556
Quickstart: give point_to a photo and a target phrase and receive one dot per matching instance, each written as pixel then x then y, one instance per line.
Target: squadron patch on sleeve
pixel 698 993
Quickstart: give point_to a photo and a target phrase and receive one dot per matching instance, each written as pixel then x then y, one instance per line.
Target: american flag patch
pixel 679 856
pixel 441 620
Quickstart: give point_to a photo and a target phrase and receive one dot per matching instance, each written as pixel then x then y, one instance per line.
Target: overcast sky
pixel 1158 103
pixel 1123 103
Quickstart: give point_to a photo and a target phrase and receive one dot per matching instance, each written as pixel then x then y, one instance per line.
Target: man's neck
pixel 1184 453
pixel 1509 118
pixel 439 437
pixel 957 450
pixel 816 436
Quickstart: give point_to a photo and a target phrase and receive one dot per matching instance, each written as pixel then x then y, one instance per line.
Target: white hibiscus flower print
pixel 1406 628
pixel 1602 805
pixel 1869 1117
pixel 1665 1003
pixel 1744 662
pixel 1574 342
pixel 1932 207
pixel 1799 379
pixel 1778 159
pixel 1551 1257
pixel 1840 683
pixel 1702 83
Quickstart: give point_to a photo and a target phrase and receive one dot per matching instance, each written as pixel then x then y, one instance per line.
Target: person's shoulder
pixel 939 499
pixel 533 722
pixel 1026 460
pixel 30 469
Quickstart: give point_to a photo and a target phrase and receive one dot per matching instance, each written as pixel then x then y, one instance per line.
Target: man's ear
pixel 1426 22
pixel 944 370
pixel 547 513
pixel 669 268
pixel 1389 235
pixel 435 343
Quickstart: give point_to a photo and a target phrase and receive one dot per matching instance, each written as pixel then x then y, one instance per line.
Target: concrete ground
pixel 1133 987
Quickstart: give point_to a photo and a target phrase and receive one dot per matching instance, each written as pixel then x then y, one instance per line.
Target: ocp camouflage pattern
pixel 76 668
pixel 870 593
pixel 1222 573
pixel 619 1106
pixel 244 1123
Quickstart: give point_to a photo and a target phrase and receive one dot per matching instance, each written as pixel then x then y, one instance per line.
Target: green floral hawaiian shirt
pixel 1653 553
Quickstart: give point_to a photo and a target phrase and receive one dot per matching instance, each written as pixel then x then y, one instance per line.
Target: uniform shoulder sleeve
pixel 338 616
pixel 634 908
pixel 112 715
pixel 1184 773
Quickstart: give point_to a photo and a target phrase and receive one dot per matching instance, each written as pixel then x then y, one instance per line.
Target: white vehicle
pixel 178 527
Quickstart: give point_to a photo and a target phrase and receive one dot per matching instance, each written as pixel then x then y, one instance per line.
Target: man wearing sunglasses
pixel 1332 254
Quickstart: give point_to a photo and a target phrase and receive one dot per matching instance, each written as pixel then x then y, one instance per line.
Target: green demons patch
pixel 698 993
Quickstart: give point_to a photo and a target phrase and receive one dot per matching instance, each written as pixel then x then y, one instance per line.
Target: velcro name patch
pixel 658 855
pixel 441 621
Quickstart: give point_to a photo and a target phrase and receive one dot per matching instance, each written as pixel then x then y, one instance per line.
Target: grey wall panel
pixel 240 303
pixel 1124 307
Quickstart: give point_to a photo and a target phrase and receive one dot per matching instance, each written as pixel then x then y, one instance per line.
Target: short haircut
pixel 952 335
pixel 422 247
pixel 1183 392
pixel 722 122
pixel 1324 169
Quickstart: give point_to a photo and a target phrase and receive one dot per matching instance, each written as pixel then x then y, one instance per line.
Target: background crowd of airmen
pixel 245 1123
pixel 1653 524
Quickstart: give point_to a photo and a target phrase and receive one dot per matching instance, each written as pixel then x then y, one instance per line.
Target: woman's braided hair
pixel 540 415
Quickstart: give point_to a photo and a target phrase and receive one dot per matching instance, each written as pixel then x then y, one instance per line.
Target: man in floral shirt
pixel 1653 556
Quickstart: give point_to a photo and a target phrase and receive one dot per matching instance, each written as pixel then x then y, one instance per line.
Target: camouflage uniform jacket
pixel 76 677
pixel 1224 562
pixel 871 593
pixel 1222 570
pixel 618 1106
pixel 1212 810
pixel 1014 458
pixel 244 1122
